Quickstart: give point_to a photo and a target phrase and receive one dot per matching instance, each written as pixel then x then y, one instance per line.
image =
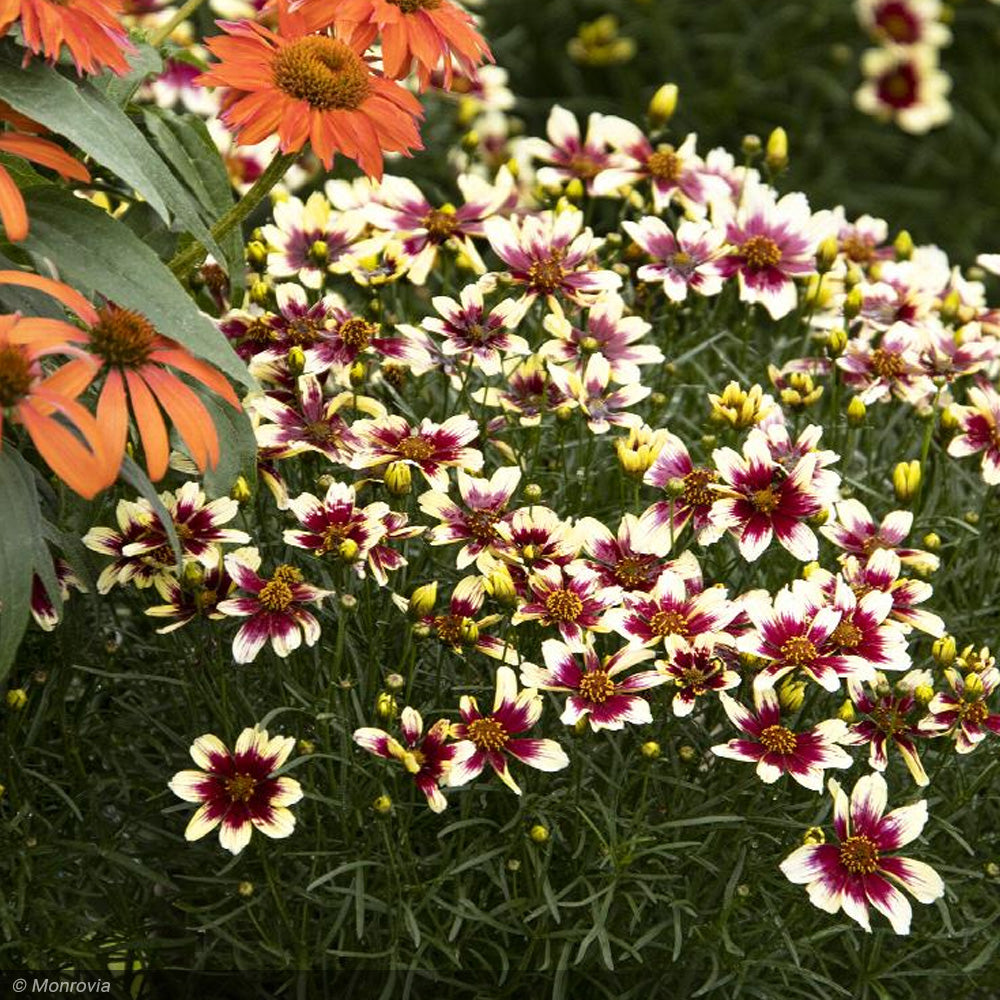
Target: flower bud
pixel 776 156
pixel 296 360
pixel 687 753
pixel 532 493
pixel 950 306
pixel 260 293
pixel 306 747
pixel 256 254
pixel 422 600
pixel 386 706
pixel 992 869
pixel 751 146
pixel 241 491
pixel 826 254
pixel 650 750
pixel 348 602
pixel 814 835
pixel 856 411
pixel 513 865
pixel 853 303
pixel 245 889
pixel 500 586
pixel 574 190
pixel 357 373
pixel 468 632
pixel 17 698
pixel 398 479
pixel 319 252
pixel 663 104
pixel 539 834
pixel 906 480
pixel 846 711
pixel 973 687
pixel 791 694
pixel 922 694
pixel 903 245
pixel 932 540
pixel 836 341
pixel 945 650
pixel 382 805
pixel 193 575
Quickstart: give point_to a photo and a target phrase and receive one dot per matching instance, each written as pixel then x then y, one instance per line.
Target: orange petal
pixel 186 410
pixel 69 297
pixel 80 469
pixel 152 430
pixel 112 417
pixel 204 372
pixel 46 153
pixel 13 214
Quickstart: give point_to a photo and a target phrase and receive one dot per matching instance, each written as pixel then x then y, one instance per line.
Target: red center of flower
pixel 760 252
pixel 15 375
pixel 547 275
pixel 847 635
pixel 240 787
pixel 415 448
pixel 887 364
pixel 798 651
pixel 563 606
pixel 897 22
pixel 778 739
pixel 322 71
pixel 664 164
pixel 898 87
pixel 696 492
pixel 859 855
pixel 597 686
pixel 440 224
pixel 487 734
pixel 766 500
pixel 481 524
pixel 121 337
pixel 669 623
pixel 357 333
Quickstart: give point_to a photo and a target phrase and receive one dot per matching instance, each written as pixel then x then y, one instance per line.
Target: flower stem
pixel 275 170
pixel 158 37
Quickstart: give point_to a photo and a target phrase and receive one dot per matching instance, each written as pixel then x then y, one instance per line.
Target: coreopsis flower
pixel 472 334
pixel 307 240
pixel 954 354
pixel 571 598
pixel 904 84
pixel 485 502
pixel 43 610
pixel 964 713
pixel 887 721
pixel 760 500
pixel 383 559
pixel 614 557
pixel 740 408
pixel 859 871
pixel 774 242
pixel 639 449
pixel 489 739
pixel 862 241
pixel 136 522
pixel 675 609
pixel 550 254
pixel 568 156
pixel 273 607
pixel 687 259
pixel 431 448
pixel 607 334
pixel 23 140
pixel 89 29
pixel 399 207
pixel 535 537
pixel 175 85
pixel 336 526
pixel 696 667
pixel 601 406
pixel 855 532
pixel 903 22
pixel 312 422
pixel 311 88
pixel 776 749
pixel 674 174
pixel 893 367
pixel 239 791
pixel 866 635
pixel 425 35
pixel 691 499
pixel 426 757
pixel 979 430
pixel 529 393
pixel 195 595
pixel 597 690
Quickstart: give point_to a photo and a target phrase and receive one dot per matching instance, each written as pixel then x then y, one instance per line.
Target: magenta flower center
pixel 778 739
pixel 669 623
pixel 664 164
pixel 563 606
pixel 547 274
pixel 597 686
pixel 415 448
pixel 487 734
pixel 240 787
pixel 15 375
pixel 798 651
pixel 898 87
pixel 859 855
pixel 760 252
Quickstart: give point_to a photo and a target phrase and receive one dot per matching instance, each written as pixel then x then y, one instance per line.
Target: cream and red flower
pixel 855 532
pixel 687 259
pixel 616 560
pixel 489 739
pixel 239 791
pixel 43 608
pixel 529 393
pixel 696 667
pixel 893 367
pixel 426 757
pixel 431 448
pixel 536 537
pixel 597 690
pixel 859 871
pixel 273 607
pixel 383 559
pixel 964 714
pixel 979 430
pixel 777 749
pixel 196 594
pixel 591 390
pixel 905 84
pixel 567 155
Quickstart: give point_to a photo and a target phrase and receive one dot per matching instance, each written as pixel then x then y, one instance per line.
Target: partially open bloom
pixel 426 757
pixel 964 714
pixel 856 532
pixel 488 739
pixel 310 88
pixel 196 595
pixel 858 870
pixel 43 610
pixel 615 559
pixel 979 430
pixel 602 406
pixel 893 366
pixel 697 667
pixel 239 790
pixel 273 607
pixel 597 690
pixel 776 749
pixel 567 155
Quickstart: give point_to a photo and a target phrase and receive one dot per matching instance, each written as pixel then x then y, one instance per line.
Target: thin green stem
pixel 158 37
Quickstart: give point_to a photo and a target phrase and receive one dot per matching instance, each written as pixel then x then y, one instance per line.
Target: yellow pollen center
pixel 287 574
pixel 275 595
pixel 320 432
pixel 887 720
pixel 488 734
pixel 974 712
pixel 847 635
pixel 858 249
pixel 766 500
pixel 324 72
pixel 563 606
pixel 357 333
pixel 333 535
pixel 694 678
pixel 597 686
pixel 547 275
pixel 584 167
pixel 760 252
pixel 122 337
pixel 859 855
pixel 778 739
pixel 798 651
pixel 240 787
pixel 669 623
pixel 887 364
pixel 303 331
pixel 449 629
pixel 415 448
pixel 15 375
pixel 696 491
pixel 664 164
pixel 481 524
pixel 440 224
pixel 630 572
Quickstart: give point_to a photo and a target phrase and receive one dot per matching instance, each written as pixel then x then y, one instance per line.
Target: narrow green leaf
pixel 237 448
pixel 99 254
pixel 139 481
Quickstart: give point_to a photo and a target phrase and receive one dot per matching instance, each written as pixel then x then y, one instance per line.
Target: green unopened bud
pixel 348 602
pixel 395 682
pixel 776 156
pixel 650 750
pixel 856 411
pixel 791 694
pixel 532 493
pixel 256 254
pixel 539 834
pixel 194 574
pixel 751 146
pixel 663 104
pixel 574 190
pixel 675 487
pixel 687 753
pixel 826 254
pixel 906 480
pixel 398 479
pixel 853 303
pixel 945 650
pixel 422 600
pixel 903 245
pixel 296 360
pixel 992 869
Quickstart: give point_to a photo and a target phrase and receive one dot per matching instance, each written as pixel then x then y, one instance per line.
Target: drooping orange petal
pixel 13 213
pixel 112 417
pixel 188 413
pixel 46 153
pixel 152 429
pixel 39 330
pixel 201 370
pixel 69 297
pixel 80 469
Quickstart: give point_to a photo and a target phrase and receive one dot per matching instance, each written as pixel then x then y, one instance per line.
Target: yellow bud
pixel 945 650
pixel 826 254
pixel 809 569
pixel 260 292
pixel 194 574
pixel 574 190
pixel 971 517
pixel 932 540
pixel 791 694
pixel 532 493
pixel 319 252
pixel 992 869
pixel 814 835
pixel 398 479
pixel 777 150
pixel 539 834
pixel 395 682
pixel 296 360
pixel 241 491
pixel 580 726
pixel 923 693
pixel 906 480
pixel 846 711
pixel 500 586
pixel 675 487
pixel 903 245
pixel 853 302
pixel 856 411
pixel 382 805
pixel 950 307
pixel 306 747
pixel 468 631
pixel 357 373
pixel 973 687
pixel 386 706
pixel 650 749
pixel 245 889
pixel 422 600
pixel 17 698
pixel 687 753
pixel 470 141
pixel 564 412
pixel 256 254
pixel 348 550
pixel 468 108
pixel 514 167
pixel 663 104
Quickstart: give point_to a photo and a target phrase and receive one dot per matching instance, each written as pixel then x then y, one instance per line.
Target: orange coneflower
pixel 88 28
pixel 23 141
pixel 136 361
pixel 309 87
pixel 427 33
pixel 30 398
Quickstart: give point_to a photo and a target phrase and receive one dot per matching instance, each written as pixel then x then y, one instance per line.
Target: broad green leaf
pixel 88 118
pixel 237 448
pixel 96 253
pixel 20 533
pixel 144 62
